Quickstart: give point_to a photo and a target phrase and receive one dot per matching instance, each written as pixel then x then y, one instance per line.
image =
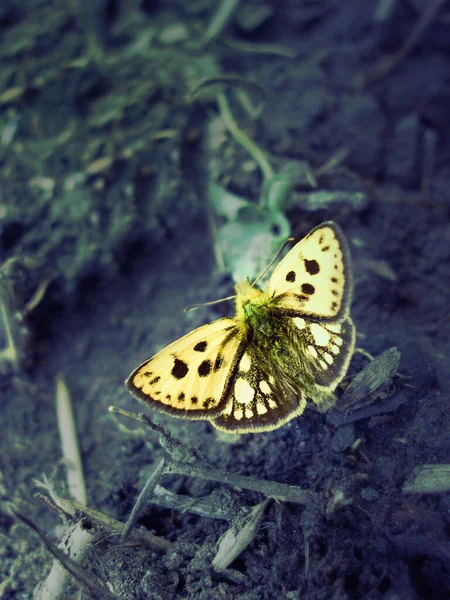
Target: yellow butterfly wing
pixel 314 278
pixel 190 377
pixel 328 349
pixel 256 400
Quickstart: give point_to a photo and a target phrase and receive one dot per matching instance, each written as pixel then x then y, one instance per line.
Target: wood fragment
pixel 370 380
pixel 84 578
pixel 146 492
pixel 69 442
pixel 103 524
pixel 271 489
pixel 429 479
pixel 236 539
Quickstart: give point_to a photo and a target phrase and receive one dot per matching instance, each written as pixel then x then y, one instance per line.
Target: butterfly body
pixel 255 371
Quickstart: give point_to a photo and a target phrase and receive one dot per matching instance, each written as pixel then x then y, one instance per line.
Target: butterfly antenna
pixel 288 241
pixel 194 306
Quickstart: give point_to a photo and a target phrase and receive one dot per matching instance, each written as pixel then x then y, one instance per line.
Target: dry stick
pixel 234 542
pixel 72 567
pixel 194 465
pixel 271 489
pixel 69 442
pixel 388 64
pixel 146 492
pixel 103 524
pixel 76 542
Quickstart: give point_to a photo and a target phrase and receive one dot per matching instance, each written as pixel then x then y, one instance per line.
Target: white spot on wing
pixel 328 358
pixel 245 363
pixel 312 351
pixel 238 414
pixel 320 334
pixel 300 323
pixel 243 391
pixel 261 409
pixel 264 387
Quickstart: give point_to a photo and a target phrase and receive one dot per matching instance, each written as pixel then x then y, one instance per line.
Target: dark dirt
pixel 103 197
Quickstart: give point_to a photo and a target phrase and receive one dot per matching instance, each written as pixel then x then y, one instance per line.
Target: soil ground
pixel 104 173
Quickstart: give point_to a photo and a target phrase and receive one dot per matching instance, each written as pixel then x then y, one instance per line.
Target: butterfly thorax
pixel 254 311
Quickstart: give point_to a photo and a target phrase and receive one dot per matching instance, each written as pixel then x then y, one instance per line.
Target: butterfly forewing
pixel 314 278
pixel 255 401
pixel 189 377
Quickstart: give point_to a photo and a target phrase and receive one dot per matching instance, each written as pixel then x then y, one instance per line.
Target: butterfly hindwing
pixel 189 377
pixel 314 278
pixel 328 348
pixel 255 401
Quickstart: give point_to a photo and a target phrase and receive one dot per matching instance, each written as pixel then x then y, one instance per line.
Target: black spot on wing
pixel 181 397
pixel 194 400
pixel 179 369
pixel 218 363
pixel 308 289
pixel 325 249
pixel 311 266
pixel 205 368
pixel 155 380
pixel 201 346
pixel 290 276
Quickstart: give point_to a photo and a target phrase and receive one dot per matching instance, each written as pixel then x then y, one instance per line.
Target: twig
pixel 235 540
pixel 371 379
pixel 146 492
pixel 69 442
pixel 196 466
pixel 271 489
pixel 69 564
pixel 210 506
pixel 103 524
pixel 76 543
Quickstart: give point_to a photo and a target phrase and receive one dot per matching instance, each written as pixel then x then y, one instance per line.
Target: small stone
pixel 369 494
pixel 343 438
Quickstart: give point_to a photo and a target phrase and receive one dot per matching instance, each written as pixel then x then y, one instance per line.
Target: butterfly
pixel 254 372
